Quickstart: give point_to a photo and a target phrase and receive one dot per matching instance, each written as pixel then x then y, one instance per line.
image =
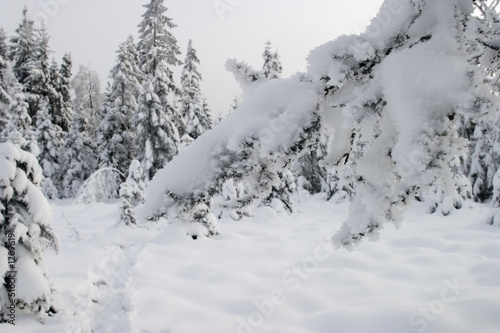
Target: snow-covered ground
pixel 272 273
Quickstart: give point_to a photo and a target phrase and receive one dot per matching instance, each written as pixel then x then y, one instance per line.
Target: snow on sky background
pixel 91 31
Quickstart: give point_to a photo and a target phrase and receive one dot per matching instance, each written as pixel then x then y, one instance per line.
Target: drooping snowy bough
pixel 400 100
pixel 255 144
pixel 25 233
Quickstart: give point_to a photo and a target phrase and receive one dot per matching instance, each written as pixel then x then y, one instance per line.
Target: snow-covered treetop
pixel 272 66
pixel 156 42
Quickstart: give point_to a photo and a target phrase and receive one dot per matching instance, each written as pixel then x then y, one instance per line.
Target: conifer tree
pixel 25 233
pixel 50 140
pixel 157 44
pixel 19 130
pixel 116 131
pixel 157 140
pixel 194 107
pixel 3 52
pixel 23 48
pixel 132 192
pixel 80 159
pixel 4 95
pixel 272 66
pixel 158 119
pixel 64 110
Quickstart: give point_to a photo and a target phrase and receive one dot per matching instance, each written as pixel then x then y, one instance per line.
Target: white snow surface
pixel 272 273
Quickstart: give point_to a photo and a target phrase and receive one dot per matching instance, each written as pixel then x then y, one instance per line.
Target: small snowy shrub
pixel 102 186
pixel 132 193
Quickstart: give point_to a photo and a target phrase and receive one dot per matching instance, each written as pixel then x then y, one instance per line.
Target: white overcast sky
pixel 91 31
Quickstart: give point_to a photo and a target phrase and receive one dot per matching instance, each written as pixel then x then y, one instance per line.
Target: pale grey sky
pixel 91 31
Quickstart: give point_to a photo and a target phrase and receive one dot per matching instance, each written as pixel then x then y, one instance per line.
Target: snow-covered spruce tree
pixel 3 52
pixel 25 233
pixel 193 107
pixel 79 158
pixel 310 170
pixel 8 88
pixel 158 120
pixel 63 110
pixel 232 201
pixel 483 131
pixel 19 130
pixel 205 109
pixel 4 95
pixel 157 137
pixel 38 84
pixel 266 133
pixel 272 66
pixel 49 139
pixel 132 193
pixel 116 131
pixel 396 94
pixel 30 53
pixel 23 52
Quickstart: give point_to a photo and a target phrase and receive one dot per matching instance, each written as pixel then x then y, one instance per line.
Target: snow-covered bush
pixel 102 186
pixel 25 233
pixel 132 192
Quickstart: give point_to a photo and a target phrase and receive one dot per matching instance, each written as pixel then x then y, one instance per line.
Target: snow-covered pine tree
pixel 79 159
pixel 310 170
pixel 64 108
pixel 205 108
pixel 401 148
pixel 193 107
pixel 49 138
pixel 25 233
pixel 158 120
pixel 483 131
pixel 38 84
pixel 23 50
pixel 132 193
pixel 29 53
pixel 116 131
pixel 3 52
pixel 8 88
pixel 157 43
pixel 233 201
pixel 19 130
pixel 4 95
pixel 157 137
pixel 272 66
